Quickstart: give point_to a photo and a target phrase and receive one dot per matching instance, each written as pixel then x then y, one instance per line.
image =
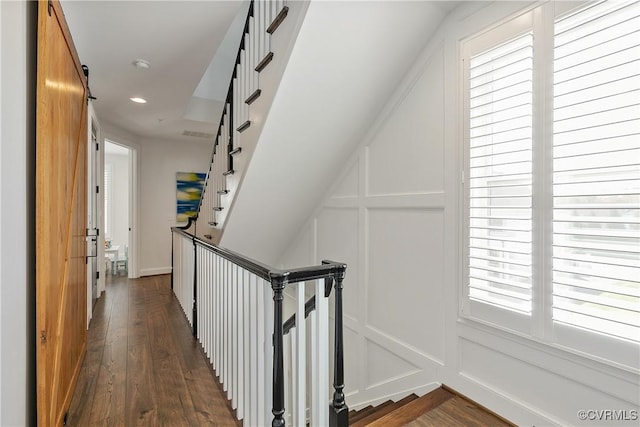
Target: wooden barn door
pixel 61 161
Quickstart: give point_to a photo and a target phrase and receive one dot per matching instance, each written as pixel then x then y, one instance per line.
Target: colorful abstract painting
pixel 189 190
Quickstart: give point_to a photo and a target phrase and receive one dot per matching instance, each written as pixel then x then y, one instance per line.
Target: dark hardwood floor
pixel 143 367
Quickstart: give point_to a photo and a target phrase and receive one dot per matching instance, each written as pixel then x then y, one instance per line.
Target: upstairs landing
pixel 143 367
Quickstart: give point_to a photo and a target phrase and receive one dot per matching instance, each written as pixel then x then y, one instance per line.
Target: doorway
pixel 93 228
pixel 119 171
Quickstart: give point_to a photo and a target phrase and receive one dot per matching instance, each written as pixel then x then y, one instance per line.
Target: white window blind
pixel 500 174
pixel 552 182
pixel 596 170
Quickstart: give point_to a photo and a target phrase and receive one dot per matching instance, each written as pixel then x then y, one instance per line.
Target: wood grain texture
pixel 413 409
pixel 143 366
pixel 441 407
pixel 60 216
pixel 458 412
pixel 381 410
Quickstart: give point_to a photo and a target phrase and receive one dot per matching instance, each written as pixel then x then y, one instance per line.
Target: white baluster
pixel 288 360
pixel 208 310
pixel 251 55
pixel 255 352
pixel 295 373
pixel 320 358
pixel 225 327
pixel 274 10
pixel 218 312
pixel 235 354
pixel 245 345
pixel 177 266
pixel 245 75
pixel 254 53
pixel 229 345
pixel 186 273
pixel 197 295
pixel 263 29
pixel 221 336
pixel 242 86
pixel 213 308
pixel 237 120
pixel 300 379
pixel 262 388
pixel 268 349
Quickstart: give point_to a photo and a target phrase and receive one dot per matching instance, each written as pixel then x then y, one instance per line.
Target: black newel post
pixel 195 290
pixel 278 285
pixel 338 411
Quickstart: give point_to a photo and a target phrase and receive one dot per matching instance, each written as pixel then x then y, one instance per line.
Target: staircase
pixel 265 46
pixel 437 408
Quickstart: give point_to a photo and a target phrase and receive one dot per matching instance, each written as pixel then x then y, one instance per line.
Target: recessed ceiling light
pixel 141 63
pixel 138 100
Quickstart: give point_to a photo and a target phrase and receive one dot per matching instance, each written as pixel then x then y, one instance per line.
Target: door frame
pixel 96 167
pixel 134 182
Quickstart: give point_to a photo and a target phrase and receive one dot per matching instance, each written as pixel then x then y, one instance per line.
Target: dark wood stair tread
pixel 265 61
pixel 244 126
pixel 278 20
pixel 381 410
pixel 412 410
pixel 255 95
pixel 359 414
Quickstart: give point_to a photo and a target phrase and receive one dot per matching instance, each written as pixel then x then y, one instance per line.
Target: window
pixel 500 167
pixel 552 167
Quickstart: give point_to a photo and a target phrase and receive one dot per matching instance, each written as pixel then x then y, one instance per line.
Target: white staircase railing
pixel 182 259
pixel 236 313
pixel 306 363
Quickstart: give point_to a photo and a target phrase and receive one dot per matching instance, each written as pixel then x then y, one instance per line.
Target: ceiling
pixel 190 45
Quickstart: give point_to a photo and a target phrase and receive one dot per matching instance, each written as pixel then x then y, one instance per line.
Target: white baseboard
pixel 154 271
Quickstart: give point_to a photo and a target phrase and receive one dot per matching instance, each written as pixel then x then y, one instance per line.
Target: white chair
pixel 108 262
pixel 121 263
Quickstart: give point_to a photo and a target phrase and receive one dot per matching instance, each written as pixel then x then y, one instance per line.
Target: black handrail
pixel 265 272
pixel 229 100
pixel 255 267
pixel 332 272
pixel 310 305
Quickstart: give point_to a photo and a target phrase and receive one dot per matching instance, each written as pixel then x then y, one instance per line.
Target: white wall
pixel 394 217
pixel 16 214
pixel 334 85
pixel 119 233
pixel 159 162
